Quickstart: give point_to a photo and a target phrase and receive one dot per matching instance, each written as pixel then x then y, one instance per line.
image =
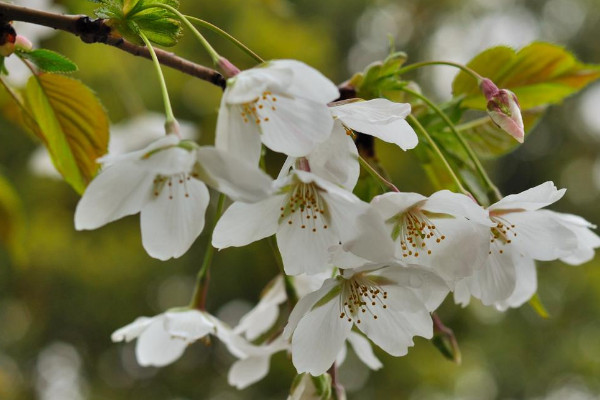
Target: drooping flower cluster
pixel 379 268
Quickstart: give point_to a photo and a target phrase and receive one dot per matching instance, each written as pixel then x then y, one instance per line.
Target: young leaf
pixel 539 74
pixel 49 61
pixel 72 124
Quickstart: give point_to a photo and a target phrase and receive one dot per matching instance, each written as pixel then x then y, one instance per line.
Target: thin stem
pixel 97 31
pixel 376 174
pixel 480 170
pixel 464 68
pixel 161 78
pixel 203 277
pixel 415 122
pixel 227 36
pixel 211 51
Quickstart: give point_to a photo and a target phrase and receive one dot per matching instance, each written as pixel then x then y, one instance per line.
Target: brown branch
pixel 97 31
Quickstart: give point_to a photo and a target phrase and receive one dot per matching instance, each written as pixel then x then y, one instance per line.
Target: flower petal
pixel 380 118
pixel 364 351
pixel 189 325
pixel 392 203
pixel 456 204
pixel 156 347
pixel 244 223
pixel 296 126
pixel 250 84
pixel 238 138
pixel 526 285
pixel 587 240
pixel 318 338
pixel 336 159
pixel 244 373
pixel 531 199
pixel 235 177
pixel 307 82
pixel 119 190
pixel 172 221
pixel 132 330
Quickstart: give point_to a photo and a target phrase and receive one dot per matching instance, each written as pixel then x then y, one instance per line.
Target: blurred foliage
pixel 77 287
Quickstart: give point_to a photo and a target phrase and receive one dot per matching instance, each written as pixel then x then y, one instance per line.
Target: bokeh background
pixel 62 293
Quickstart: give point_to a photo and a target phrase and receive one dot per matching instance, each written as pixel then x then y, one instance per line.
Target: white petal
pixel 392 203
pixel 428 287
pixel 405 317
pixel 121 189
pixel 539 236
pixel 318 338
pixel 447 202
pixel 531 199
pixel 235 177
pixel 265 313
pixel 364 351
pixel 236 344
pixel 526 284
pixel 189 325
pixel 296 126
pixel 170 161
pixel 244 373
pixel 249 85
pixel 172 221
pixel 305 304
pixel 238 138
pixel 302 250
pixel 132 330
pixel 307 82
pixel 336 159
pixel 380 118
pixel 497 279
pixel 587 240
pixel 156 347
pixel 244 223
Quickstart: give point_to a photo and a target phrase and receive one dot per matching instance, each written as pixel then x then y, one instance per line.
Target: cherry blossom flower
pixel 428 231
pixel 389 304
pixel 282 103
pixel 162 182
pixel 503 108
pixel 308 214
pixel 381 118
pixel 522 233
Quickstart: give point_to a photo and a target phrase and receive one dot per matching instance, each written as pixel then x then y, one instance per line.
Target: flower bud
pixel 22 43
pixel 503 108
pixel 228 68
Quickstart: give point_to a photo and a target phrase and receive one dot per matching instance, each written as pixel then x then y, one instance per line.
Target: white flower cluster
pixel 380 267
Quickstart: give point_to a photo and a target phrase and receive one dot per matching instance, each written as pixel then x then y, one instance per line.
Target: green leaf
pixel 12 222
pixel 71 122
pixel 539 74
pixel 129 17
pixel 49 61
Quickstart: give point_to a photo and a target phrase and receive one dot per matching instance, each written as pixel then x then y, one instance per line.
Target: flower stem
pixel 211 51
pixel 464 68
pixel 163 85
pixel 227 36
pixel 376 174
pixel 202 278
pixel 492 189
pixel 415 122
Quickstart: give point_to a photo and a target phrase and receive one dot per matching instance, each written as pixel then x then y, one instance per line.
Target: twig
pixel 97 31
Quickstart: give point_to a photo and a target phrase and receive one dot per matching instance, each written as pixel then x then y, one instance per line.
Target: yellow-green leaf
pixel 12 222
pixel 539 74
pixel 72 124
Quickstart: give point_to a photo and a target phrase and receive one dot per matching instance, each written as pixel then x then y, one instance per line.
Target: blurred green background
pixel 63 292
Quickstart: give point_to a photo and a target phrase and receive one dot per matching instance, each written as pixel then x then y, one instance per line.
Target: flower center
pixel 501 234
pixel 360 297
pixel 259 110
pixel 305 208
pixel 171 182
pixel 416 232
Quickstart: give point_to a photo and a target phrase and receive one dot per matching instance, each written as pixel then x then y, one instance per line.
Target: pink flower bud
pixel 22 43
pixel 228 68
pixel 503 108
